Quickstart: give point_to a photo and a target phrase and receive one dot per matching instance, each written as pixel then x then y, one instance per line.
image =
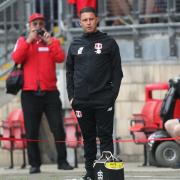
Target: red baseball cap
pixel 35 16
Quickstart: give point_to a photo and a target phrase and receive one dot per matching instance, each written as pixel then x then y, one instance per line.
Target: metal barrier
pixel 124 12
pixel 132 19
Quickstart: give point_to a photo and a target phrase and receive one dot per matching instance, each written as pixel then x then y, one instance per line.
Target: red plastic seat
pixel 148 121
pixel 137 128
pixel 71 128
pixel 73 131
pixel 73 134
pixel 13 128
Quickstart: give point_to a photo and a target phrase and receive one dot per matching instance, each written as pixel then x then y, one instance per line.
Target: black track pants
pixel 95 123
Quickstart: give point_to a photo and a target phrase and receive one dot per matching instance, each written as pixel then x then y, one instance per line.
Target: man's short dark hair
pixel 88 9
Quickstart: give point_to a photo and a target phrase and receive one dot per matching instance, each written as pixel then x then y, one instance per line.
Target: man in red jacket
pixel 39 53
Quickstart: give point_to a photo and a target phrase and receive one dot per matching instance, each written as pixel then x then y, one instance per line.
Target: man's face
pixel 88 22
pixel 37 24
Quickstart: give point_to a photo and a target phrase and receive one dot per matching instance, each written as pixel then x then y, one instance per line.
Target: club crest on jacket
pixel 98 47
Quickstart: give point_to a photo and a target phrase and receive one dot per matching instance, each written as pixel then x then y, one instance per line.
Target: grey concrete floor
pixel 133 171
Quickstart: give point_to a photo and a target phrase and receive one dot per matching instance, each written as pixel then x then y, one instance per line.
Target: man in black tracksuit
pixel 93 80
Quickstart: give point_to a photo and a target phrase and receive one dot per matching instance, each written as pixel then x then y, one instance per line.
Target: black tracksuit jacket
pixel 93 70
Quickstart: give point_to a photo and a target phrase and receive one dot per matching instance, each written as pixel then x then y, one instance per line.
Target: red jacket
pixel 39 63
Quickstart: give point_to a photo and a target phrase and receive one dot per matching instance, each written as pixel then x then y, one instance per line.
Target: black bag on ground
pixel 14 81
pixel 108 167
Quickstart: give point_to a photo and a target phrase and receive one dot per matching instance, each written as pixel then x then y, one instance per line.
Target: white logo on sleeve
pixel 80 50
pixel 79 114
pixel 98 47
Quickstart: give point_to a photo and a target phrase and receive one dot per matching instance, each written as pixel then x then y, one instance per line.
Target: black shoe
pixel 65 166
pixel 34 170
pixel 88 176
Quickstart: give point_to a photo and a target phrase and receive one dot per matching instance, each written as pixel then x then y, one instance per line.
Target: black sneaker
pixel 65 166
pixel 34 170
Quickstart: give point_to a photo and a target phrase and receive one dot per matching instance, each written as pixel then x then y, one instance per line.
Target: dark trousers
pixel 95 123
pixel 33 106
